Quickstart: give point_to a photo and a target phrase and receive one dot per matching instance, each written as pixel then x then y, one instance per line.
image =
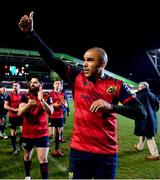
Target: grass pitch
pixel 131 164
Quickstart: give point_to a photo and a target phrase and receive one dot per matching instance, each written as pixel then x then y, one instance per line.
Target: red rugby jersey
pixel 57 97
pixel 14 101
pixel 96 132
pixel 35 121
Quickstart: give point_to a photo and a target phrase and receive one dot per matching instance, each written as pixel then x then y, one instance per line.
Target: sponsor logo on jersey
pixel 111 90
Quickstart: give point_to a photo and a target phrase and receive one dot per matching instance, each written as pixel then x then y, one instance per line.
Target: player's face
pixel 57 85
pixel 16 87
pixel 92 64
pixel 34 85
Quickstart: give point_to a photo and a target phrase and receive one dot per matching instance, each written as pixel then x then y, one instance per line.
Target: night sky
pixel 125 31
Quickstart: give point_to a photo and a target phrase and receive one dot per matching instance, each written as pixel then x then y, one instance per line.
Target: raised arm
pixel 62 69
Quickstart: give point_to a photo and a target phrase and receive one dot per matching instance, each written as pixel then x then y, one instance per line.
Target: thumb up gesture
pixel 26 23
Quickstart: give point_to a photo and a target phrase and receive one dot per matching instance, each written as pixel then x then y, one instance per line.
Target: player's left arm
pixel 131 107
pixel 47 105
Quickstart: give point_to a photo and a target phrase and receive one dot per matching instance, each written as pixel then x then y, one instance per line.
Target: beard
pixel 34 90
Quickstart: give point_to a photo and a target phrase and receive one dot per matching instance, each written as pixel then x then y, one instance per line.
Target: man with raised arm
pixel 94 147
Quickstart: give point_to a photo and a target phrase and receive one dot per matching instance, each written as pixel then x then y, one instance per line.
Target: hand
pixel 57 104
pixel 15 110
pixel 101 104
pixel 26 23
pixel 64 101
pixel 32 103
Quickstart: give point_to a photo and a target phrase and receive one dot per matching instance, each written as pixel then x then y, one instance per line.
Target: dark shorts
pixel 86 165
pixel 15 122
pixel 29 143
pixel 57 122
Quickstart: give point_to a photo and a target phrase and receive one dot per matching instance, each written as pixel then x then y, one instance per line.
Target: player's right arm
pixel 7 105
pixel 25 105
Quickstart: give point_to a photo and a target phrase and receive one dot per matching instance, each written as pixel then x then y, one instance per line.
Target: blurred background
pixel 129 32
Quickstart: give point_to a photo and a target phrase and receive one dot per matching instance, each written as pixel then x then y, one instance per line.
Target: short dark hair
pixel 35 76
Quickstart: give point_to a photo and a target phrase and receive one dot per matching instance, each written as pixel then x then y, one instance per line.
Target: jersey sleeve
pixel 126 94
pixel 49 100
pixel 8 98
pixel 23 99
pixel 65 71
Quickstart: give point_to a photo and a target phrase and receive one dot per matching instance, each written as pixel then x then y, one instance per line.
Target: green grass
pixel 131 164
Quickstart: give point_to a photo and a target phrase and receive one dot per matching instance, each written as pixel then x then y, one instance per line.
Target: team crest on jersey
pixel 111 89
